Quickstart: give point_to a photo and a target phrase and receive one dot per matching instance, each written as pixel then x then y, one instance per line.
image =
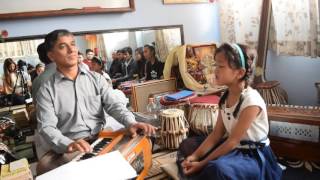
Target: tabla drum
pixel 203 114
pixel 174 127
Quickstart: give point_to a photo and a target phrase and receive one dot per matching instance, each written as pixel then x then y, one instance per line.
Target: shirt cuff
pixel 63 145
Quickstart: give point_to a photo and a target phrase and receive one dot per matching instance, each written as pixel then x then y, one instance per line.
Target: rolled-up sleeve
pixel 47 122
pixel 114 105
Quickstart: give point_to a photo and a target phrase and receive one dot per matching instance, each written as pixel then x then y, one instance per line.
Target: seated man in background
pixel 50 69
pixel 129 67
pixel 39 69
pixel 154 68
pixel 72 103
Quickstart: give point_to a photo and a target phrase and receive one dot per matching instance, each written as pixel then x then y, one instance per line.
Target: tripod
pixel 25 94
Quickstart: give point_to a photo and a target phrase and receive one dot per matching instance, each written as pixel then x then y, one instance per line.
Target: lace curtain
pixel 294 28
pixel 166 40
pixel 19 49
pixel 240 21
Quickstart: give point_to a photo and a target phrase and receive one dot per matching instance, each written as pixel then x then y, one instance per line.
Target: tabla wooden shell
pixel 174 127
pixel 203 117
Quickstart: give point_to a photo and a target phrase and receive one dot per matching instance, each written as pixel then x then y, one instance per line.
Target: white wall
pixel 200 21
pixel 297 76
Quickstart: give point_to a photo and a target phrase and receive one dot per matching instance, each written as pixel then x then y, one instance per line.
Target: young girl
pixel 245 153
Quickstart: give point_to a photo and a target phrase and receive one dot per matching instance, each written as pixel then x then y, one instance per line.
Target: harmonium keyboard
pixel 295 131
pixel 137 150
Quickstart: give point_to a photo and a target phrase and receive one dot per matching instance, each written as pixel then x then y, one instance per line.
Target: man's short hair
pixel 88 50
pixel 42 53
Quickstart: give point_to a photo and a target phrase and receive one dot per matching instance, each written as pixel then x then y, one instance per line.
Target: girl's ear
pixel 241 73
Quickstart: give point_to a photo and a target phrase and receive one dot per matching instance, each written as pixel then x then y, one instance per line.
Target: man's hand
pixel 147 129
pixel 79 145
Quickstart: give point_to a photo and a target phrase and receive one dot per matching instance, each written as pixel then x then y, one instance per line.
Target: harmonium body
pixel 137 150
pixel 294 131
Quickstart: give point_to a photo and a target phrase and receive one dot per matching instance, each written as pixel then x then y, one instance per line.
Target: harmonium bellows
pixel 295 131
pixel 137 150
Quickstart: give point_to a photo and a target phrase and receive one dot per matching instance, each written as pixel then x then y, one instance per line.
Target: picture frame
pixel 42 8
pixel 185 1
pixel 142 91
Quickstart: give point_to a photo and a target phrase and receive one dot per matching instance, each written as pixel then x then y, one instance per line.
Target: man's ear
pixel 50 56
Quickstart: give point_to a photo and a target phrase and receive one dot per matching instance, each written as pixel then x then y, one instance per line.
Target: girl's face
pixel 138 56
pixel 12 68
pixel 225 75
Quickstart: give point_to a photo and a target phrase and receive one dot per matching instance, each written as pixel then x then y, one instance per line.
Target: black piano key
pixel 87 156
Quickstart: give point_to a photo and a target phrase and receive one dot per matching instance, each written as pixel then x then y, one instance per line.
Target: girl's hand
pixel 192 167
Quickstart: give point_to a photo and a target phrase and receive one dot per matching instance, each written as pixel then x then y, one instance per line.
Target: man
pixel 129 67
pixel 50 69
pixel 154 68
pixel 89 56
pixel 115 68
pixel 39 70
pixel 71 104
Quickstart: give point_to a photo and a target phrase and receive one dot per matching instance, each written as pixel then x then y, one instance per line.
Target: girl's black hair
pixel 151 48
pixel 234 61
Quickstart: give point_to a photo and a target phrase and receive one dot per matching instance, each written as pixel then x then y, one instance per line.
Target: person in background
pixel 154 68
pixel 72 103
pixel 22 68
pixel 30 68
pixel 89 56
pixel 141 61
pixel 245 153
pixel 50 69
pixel 97 66
pixel 129 67
pixel 39 69
pixel 115 68
pixel 13 83
pixel 80 61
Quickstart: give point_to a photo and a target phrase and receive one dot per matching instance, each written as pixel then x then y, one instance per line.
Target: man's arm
pixel 47 122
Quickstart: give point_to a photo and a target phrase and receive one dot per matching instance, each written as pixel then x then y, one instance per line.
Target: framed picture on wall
pixel 185 1
pixel 38 8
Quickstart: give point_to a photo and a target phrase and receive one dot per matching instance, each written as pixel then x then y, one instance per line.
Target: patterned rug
pixel 158 159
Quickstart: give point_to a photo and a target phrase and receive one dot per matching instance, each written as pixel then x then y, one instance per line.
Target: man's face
pixel 147 53
pixel 114 56
pixel 40 70
pixel 90 55
pixel 120 56
pixel 96 67
pixel 64 53
pixel 127 56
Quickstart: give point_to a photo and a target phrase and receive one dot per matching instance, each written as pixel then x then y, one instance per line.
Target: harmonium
pixel 294 131
pixel 137 150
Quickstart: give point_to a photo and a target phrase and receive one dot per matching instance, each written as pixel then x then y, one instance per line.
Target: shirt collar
pixel 59 76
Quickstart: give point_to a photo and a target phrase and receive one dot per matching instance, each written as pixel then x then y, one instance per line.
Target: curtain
pixel 102 51
pixel 19 49
pixel 240 21
pixel 294 28
pixel 166 40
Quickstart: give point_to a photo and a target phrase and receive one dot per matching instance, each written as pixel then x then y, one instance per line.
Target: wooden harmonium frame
pixel 137 150
pixel 294 131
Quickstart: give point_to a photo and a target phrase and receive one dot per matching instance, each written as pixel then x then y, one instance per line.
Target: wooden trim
pixel 67 12
pixel 79 33
pixel 263 41
pixel 300 150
